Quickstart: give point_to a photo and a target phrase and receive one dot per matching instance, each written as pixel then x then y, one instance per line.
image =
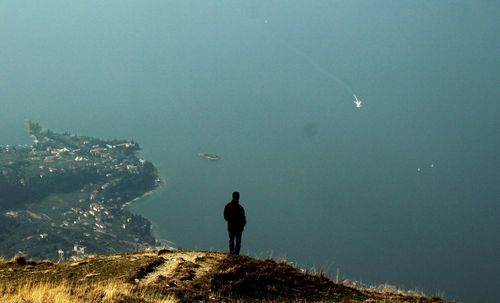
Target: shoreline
pixel 162 185
pixel 154 225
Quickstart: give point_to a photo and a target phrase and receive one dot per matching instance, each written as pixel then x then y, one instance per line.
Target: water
pixel 324 184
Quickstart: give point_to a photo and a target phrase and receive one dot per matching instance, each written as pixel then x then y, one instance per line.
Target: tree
pixel 34 128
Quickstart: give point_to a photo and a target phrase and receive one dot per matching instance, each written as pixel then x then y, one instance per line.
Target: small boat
pixel 210 157
pixel 359 103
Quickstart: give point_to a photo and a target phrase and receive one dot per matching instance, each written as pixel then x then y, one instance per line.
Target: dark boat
pixel 210 157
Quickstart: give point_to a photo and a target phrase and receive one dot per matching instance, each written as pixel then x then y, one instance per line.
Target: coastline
pixel 162 185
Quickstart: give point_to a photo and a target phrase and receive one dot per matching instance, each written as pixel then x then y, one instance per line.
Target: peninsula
pixel 65 196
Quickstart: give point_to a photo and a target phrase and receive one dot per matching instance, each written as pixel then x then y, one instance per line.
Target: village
pixel 70 192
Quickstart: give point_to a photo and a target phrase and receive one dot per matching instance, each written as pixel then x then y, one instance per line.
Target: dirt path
pixel 182 267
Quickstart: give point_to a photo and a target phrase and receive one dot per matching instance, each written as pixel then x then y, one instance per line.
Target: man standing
pixel 234 214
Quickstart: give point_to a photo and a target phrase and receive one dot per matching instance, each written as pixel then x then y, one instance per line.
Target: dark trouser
pixel 235 236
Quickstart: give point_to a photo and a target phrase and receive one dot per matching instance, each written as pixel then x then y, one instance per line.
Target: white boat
pixel 359 103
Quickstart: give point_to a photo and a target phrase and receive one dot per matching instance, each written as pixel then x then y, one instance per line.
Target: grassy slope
pixel 167 276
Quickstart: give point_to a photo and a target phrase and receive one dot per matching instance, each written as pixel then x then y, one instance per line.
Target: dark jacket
pixel 234 214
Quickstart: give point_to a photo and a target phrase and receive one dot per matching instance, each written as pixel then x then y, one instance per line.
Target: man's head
pixel 236 196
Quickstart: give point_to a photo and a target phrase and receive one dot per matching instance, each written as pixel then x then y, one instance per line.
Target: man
pixel 234 214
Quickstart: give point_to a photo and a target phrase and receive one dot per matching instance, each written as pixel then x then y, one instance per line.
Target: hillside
pixel 177 276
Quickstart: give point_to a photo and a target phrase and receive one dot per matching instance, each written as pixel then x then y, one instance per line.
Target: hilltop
pixel 178 276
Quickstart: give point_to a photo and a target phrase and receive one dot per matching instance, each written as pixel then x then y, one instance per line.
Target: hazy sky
pixel 404 190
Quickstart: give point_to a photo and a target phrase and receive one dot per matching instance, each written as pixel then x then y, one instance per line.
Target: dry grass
pixel 169 277
pixel 33 292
